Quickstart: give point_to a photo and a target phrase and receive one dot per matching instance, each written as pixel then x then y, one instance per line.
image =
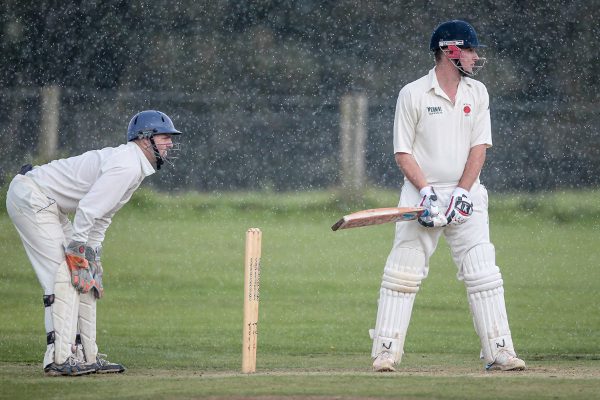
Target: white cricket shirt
pixel 94 186
pixel 436 132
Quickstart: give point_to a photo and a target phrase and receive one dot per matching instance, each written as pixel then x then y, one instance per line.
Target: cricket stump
pixel 251 297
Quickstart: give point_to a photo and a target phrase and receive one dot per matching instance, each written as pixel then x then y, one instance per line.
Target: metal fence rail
pixel 248 141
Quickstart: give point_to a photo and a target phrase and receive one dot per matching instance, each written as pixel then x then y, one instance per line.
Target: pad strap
pixel 48 300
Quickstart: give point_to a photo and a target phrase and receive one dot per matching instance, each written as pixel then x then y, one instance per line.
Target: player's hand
pixel 93 258
pixel 431 217
pixel 460 207
pixel 81 278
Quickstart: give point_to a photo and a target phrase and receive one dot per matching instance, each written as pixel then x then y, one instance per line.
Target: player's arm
pixel 431 217
pixel 481 139
pixel 411 170
pixel 460 208
pixel 406 119
pixel 473 166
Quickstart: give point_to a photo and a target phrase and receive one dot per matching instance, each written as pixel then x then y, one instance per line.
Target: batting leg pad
pixel 64 314
pixel 486 300
pixel 87 325
pixel 402 276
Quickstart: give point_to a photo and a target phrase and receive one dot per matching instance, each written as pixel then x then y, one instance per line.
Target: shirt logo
pixel 434 110
pixel 467 109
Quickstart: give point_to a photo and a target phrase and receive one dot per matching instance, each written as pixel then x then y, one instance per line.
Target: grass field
pixel 173 306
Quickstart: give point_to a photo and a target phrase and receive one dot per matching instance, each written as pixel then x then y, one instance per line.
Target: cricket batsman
pixel 65 254
pixel 441 133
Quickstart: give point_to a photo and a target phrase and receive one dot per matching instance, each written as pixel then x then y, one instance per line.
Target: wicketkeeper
pixel 66 255
pixel 441 133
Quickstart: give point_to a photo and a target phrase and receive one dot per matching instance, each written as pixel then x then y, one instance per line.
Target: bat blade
pixel 377 216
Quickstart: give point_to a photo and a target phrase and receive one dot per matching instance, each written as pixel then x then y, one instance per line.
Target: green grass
pixel 173 307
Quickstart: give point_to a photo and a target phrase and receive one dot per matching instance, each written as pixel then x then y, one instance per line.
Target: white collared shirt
pixel 94 186
pixel 436 132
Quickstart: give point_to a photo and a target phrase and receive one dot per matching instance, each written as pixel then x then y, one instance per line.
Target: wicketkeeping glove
pixel 81 276
pixel 431 217
pixel 93 258
pixel 460 207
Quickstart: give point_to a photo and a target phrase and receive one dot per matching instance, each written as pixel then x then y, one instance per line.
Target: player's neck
pixel 448 78
pixel 145 147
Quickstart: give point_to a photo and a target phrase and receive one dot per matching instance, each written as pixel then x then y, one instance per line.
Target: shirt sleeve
pixel 98 231
pixel 482 128
pixel 112 189
pixel 405 122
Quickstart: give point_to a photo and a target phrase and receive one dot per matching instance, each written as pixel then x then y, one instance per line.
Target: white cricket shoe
pixel 384 362
pixel 506 361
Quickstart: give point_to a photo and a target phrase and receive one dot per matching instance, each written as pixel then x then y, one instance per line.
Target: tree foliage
pixel 536 49
pixel 267 75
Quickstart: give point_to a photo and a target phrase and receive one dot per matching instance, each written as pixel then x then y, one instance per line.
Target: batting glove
pixel 431 217
pixel 81 278
pixel 93 258
pixel 460 207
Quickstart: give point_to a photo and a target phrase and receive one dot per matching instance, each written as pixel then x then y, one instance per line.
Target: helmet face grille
pixel 454 53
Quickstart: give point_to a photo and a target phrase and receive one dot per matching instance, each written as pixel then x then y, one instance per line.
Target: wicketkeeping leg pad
pixel 48 302
pixel 87 325
pixel 49 355
pixel 64 314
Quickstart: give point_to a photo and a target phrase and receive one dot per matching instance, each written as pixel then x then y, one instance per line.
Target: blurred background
pixel 266 90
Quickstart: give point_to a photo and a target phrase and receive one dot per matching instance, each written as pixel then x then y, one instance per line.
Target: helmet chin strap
pixel 159 159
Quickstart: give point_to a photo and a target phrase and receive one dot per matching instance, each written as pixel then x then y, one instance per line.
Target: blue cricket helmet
pixel 456 32
pixel 149 123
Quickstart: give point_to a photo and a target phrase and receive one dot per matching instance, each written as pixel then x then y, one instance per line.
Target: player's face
pixel 163 144
pixel 468 59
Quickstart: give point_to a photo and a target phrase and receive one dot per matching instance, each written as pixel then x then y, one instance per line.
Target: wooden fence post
pixel 50 106
pixel 353 135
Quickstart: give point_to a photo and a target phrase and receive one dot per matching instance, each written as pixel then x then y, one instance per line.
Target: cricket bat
pixel 378 216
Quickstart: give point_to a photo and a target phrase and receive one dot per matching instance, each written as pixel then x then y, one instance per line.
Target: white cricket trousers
pixel 44 230
pixel 460 238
